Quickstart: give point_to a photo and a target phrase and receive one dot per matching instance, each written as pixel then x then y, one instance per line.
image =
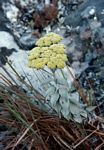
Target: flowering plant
pixel 59 90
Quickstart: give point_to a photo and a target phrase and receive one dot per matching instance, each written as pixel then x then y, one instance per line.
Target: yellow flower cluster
pixel 49 39
pixel 48 54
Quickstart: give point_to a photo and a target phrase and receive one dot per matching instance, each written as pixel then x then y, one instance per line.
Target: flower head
pixel 49 52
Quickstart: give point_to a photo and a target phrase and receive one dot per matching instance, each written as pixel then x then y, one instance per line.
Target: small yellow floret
pixel 40 42
pixel 45 60
pixel 47 41
pixel 51 65
pixel 44 49
pixel 64 57
pixel 30 57
pixel 61 64
pixel 39 66
pixel 54 36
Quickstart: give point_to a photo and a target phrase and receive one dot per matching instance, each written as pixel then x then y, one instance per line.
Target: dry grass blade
pixel 100 146
pixel 62 141
pixel 75 146
pixel 68 134
pixel 5 79
pixel 19 140
pixel 31 143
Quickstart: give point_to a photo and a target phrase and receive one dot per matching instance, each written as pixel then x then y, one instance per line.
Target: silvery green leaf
pixel 57 108
pixel 74 97
pixel 64 103
pixel 78 104
pixel 77 118
pixel 91 108
pixel 60 86
pixel 72 88
pixel 69 84
pixel 54 99
pixel 59 74
pixel 69 73
pixel 62 81
pixel 48 97
pixel 65 113
pixel 46 81
pixel 50 91
pixel 64 93
pixel 75 109
pixel 53 83
pixel 84 114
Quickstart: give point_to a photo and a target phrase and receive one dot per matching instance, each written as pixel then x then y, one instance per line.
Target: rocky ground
pixel 80 22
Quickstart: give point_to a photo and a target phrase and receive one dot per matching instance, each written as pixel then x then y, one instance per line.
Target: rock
pixel 67 41
pixel 85 33
pixel 11 11
pixel 25 3
pixel 73 19
pixel 76 64
pixel 100 35
pixel 93 77
pixel 27 41
pixel 90 56
pixel 3 19
pixel 19 61
pixel 71 49
pixel 92 11
pixel 2 146
pixel 88 12
pixel 87 9
pixel 7 40
pixel 95 24
pixel 4 52
pixel 79 67
pixel 77 56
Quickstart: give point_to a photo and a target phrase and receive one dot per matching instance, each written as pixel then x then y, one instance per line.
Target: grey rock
pixel 85 10
pixel 67 41
pixel 95 24
pixel 77 55
pixel 4 53
pixel 73 19
pixel 3 19
pixel 79 67
pixel 88 12
pixel 7 40
pixel 2 146
pixel 85 33
pixel 90 55
pixel 27 41
pixel 100 32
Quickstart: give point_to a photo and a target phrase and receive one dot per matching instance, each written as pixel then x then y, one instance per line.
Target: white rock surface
pixel 89 11
pixel 7 40
pixel 11 11
pixel 92 11
pixel 18 60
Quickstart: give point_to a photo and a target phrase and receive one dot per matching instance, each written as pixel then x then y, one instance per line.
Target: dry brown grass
pixel 39 130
